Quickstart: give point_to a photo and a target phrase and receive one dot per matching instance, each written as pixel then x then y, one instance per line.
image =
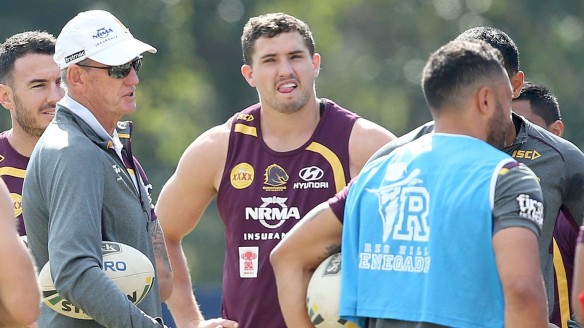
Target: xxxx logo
pixel 17 201
pixel 241 176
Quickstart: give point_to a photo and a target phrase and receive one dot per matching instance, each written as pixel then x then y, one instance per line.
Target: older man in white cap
pixel 84 186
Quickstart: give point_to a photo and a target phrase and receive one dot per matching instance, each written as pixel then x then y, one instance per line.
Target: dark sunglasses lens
pixel 121 71
pixel 137 64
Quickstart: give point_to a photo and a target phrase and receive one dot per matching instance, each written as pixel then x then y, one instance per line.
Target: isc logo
pixel 114 265
pixel 245 117
pixel 529 154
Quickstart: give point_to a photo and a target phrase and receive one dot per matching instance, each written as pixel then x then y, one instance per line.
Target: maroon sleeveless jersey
pixel 263 194
pixel 12 170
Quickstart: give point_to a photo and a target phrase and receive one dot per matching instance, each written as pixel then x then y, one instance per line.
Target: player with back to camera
pixel 84 186
pixel 558 163
pixel 538 105
pixel 268 166
pixel 412 204
pixel 29 89
pixel 19 290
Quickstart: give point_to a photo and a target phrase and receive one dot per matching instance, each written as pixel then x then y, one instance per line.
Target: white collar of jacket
pixel 88 117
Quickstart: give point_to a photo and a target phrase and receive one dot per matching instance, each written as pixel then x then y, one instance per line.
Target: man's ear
pixel 485 99
pixel 517 83
pixel 316 60
pixel 247 73
pixel 6 98
pixel 76 76
pixel 557 128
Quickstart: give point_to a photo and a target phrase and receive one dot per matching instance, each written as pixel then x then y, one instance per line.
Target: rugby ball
pixel 131 271
pixel 323 295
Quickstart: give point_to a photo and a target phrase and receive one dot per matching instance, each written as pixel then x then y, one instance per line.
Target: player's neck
pixel 21 141
pixel 457 124
pixel 511 134
pixel 289 131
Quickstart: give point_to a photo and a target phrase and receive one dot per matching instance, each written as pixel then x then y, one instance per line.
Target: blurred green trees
pixel 373 52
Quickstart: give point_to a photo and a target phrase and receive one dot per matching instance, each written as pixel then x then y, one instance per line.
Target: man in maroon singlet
pixel 29 89
pixel 268 166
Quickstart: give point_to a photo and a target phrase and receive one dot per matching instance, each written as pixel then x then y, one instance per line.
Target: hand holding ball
pixel 323 295
pixel 129 269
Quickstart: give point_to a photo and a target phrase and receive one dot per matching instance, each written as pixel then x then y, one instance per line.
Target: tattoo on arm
pixel 159 245
pixel 330 250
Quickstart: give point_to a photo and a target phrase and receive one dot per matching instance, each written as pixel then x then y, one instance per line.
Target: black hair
pixel 271 25
pixel 455 68
pixel 21 44
pixel 542 101
pixel 498 40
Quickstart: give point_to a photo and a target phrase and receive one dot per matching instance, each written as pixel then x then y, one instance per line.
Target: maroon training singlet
pixel 263 194
pixel 12 171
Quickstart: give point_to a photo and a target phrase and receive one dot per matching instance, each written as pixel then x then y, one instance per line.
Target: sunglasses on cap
pixel 120 71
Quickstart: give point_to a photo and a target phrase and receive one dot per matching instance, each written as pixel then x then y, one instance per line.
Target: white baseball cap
pixel 98 35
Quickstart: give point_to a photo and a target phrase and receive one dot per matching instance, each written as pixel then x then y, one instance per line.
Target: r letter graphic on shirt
pixel 403 207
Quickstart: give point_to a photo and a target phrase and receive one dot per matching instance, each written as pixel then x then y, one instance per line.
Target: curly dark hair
pixel 21 44
pixel 455 68
pixel 271 25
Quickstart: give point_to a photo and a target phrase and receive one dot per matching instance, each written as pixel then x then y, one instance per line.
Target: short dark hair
pixel 21 44
pixel 542 102
pixel 455 68
pixel 271 25
pixel 500 41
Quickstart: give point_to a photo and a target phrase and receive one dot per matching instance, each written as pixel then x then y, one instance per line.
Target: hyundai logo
pixel 311 173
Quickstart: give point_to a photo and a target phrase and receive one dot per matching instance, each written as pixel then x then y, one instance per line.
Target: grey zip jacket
pixel 78 192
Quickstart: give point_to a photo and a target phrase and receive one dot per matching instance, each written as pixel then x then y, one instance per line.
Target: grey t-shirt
pixel 557 163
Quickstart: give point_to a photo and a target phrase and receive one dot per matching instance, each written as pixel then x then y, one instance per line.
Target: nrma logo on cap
pixel 102 33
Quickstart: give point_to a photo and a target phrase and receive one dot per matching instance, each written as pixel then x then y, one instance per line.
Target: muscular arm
pixel 518 213
pixel 182 201
pixel 311 241
pixel 19 291
pixel 366 138
pixel 519 269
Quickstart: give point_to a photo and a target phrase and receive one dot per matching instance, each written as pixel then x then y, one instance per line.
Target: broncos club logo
pixel 275 178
